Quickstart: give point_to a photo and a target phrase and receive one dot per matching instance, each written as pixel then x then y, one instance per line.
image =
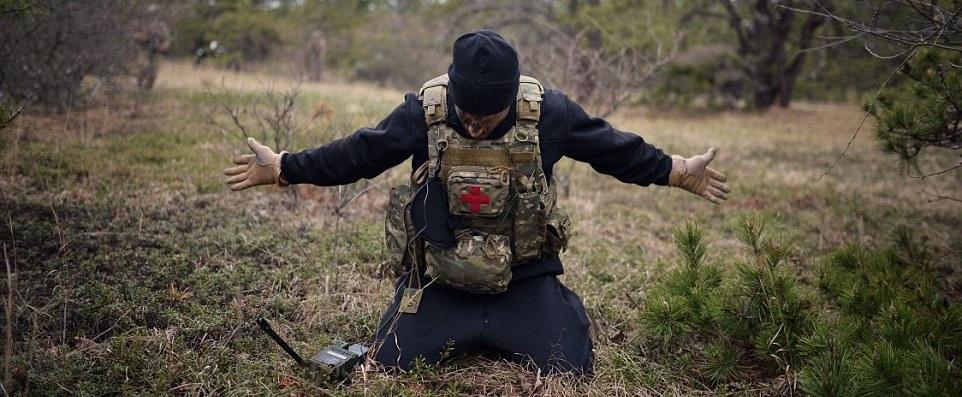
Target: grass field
pixel 135 271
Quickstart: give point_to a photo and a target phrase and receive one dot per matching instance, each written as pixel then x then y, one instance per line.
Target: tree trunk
pixel 765 98
pixel 763 45
pixel 811 24
pixel 787 88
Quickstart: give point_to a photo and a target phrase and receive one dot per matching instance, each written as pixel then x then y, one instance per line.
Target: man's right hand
pixel 263 167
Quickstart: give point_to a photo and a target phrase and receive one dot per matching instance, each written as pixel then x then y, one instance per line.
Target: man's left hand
pixel 694 175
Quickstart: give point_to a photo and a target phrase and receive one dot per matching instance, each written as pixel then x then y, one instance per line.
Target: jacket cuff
pixel 279 170
pixel 666 166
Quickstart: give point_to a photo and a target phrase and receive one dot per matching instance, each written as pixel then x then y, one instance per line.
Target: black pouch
pixel 429 213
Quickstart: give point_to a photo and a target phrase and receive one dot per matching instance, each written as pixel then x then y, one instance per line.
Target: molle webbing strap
pixel 478 157
pixel 481 157
pixel 434 152
pixel 487 157
pixel 523 157
pixel 434 98
pixel 525 146
pixel 524 143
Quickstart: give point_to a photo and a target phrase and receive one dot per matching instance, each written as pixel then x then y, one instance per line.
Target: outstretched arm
pixel 625 156
pixel 630 159
pixel 364 154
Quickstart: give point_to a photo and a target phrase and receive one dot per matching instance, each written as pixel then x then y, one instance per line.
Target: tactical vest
pixel 498 197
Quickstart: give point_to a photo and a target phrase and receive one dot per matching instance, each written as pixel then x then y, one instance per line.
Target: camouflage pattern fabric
pixel 556 236
pixel 477 263
pixel 496 188
pixel 398 232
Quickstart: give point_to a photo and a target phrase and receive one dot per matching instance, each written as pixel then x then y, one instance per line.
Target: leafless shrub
pixel 340 199
pixel 269 117
pixel 573 56
pixel 911 24
pixel 398 60
pixel 47 54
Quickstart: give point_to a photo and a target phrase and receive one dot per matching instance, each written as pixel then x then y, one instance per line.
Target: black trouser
pixel 537 321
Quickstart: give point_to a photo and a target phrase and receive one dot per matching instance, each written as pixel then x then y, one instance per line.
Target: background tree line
pixel 604 53
pixel 715 53
pixel 723 53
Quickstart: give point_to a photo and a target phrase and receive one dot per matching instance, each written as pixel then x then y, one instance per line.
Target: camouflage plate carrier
pixel 498 196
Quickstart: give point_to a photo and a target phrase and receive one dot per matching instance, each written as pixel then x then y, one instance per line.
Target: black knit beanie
pixel 483 77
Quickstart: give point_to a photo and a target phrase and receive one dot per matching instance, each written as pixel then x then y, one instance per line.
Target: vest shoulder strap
pixel 434 98
pixel 530 93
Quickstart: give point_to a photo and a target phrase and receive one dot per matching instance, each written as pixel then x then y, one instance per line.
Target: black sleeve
pixel 364 154
pixel 622 155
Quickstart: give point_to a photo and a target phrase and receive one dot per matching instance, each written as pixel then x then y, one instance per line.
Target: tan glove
pixel 694 175
pixel 261 168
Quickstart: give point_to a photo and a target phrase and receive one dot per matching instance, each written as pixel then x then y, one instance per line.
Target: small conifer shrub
pixel 890 329
pixel 876 322
pixel 750 323
pixel 925 111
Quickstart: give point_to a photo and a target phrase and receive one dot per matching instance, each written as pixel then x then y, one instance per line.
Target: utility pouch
pixel 556 235
pixel 478 263
pixel 398 230
pixel 529 226
pixel 478 191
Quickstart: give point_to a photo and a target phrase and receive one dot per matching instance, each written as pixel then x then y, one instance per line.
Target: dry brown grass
pixel 144 199
pixel 775 161
pixel 183 76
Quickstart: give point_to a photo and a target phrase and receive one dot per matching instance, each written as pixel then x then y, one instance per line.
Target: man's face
pixel 481 126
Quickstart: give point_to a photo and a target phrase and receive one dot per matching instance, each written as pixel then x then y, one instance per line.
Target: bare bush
pixel 8 112
pixel 398 60
pixel 269 117
pixel 599 56
pixel 911 24
pixel 48 53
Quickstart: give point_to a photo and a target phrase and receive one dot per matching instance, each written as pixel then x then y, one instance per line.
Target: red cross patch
pixel 474 198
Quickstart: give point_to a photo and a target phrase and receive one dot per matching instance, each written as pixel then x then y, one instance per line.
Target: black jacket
pixel 565 130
